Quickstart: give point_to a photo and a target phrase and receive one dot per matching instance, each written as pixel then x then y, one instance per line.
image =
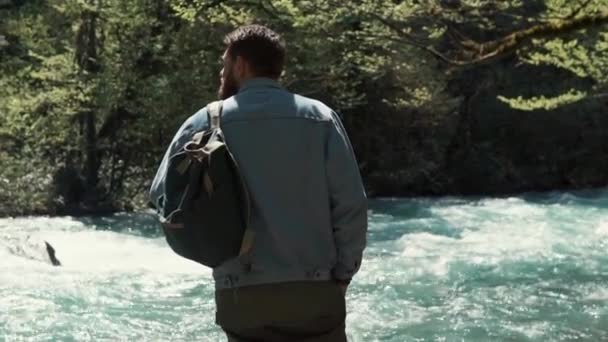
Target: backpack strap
pixel 247 242
pixel 215 112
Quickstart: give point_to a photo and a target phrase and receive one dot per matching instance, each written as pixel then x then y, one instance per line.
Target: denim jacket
pixel 309 211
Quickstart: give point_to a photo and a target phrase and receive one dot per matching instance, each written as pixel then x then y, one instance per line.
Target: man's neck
pixel 258 80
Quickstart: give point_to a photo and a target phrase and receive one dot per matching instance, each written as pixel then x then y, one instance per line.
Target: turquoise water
pixel 529 268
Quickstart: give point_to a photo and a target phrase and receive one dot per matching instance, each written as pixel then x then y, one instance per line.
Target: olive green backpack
pixel 207 206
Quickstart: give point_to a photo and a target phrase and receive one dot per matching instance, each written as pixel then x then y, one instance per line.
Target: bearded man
pixel 309 210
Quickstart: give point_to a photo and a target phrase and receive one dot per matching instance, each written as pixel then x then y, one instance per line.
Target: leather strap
pixel 215 112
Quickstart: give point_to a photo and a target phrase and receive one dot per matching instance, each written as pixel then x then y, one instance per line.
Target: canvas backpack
pixel 207 206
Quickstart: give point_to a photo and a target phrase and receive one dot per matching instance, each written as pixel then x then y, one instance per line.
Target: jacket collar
pixel 259 82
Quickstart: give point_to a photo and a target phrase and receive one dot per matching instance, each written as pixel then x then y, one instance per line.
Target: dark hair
pixel 261 47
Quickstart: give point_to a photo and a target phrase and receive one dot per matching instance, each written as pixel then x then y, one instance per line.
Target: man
pixel 309 206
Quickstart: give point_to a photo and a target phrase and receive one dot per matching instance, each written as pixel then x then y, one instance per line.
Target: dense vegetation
pixel 439 96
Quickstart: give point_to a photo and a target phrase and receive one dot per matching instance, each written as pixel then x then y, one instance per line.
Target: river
pixel 526 268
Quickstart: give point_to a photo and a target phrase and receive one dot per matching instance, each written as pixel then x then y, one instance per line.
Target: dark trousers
pixel 298 311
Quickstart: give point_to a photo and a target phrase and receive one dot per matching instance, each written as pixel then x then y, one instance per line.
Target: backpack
pixel 206 206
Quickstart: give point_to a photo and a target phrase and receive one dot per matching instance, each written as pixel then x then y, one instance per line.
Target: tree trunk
pixel 86 57
pixel 91 163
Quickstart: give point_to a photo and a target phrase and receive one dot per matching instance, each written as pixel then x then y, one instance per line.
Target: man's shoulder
pixel 198 120
pixel 313 108
pixel 280 100
pixel 193 124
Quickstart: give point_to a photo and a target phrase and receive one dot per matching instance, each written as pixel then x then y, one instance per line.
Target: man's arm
pixel 184 134
pixel 348 202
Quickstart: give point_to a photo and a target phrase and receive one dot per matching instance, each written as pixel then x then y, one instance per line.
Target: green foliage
pixel 543 102
pixel 25 185
pixel 136 69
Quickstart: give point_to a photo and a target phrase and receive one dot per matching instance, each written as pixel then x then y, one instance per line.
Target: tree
pixel 91 91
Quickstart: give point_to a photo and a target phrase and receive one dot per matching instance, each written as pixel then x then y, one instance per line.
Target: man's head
pixel 251 51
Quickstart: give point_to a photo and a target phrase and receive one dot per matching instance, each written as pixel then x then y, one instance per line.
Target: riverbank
pixel 108 209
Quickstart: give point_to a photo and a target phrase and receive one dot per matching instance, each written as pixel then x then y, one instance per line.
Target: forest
pixel 439 97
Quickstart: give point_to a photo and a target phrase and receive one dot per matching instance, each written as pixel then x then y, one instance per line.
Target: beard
pixel 228 87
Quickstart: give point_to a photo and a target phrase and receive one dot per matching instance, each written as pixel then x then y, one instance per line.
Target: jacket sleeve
pixel 348 202
pixel 185 132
